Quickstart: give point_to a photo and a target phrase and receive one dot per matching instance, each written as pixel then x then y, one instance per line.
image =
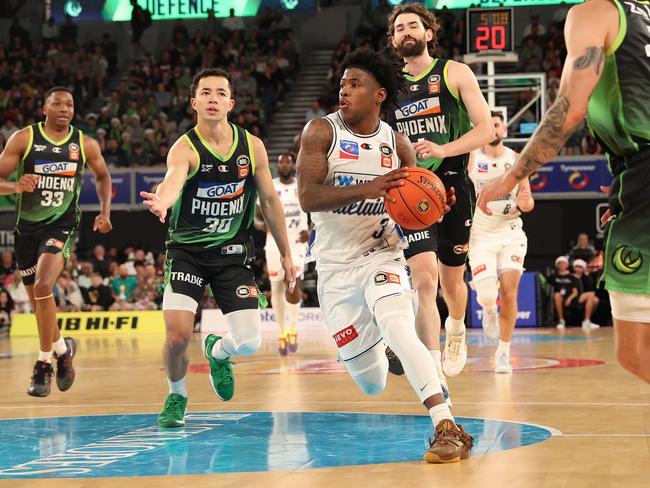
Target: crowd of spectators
pixel 137 107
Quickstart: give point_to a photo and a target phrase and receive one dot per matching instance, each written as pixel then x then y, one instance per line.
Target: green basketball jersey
pixel 618 112
pixel 60 165
pixel 217 203
pixel 431 110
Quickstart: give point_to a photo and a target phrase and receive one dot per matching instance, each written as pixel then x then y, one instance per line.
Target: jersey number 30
pixel 220 226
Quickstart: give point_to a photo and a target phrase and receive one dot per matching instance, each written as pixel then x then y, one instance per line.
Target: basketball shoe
pixel 450 445
pixel 41 384
pixel 394 364
pixel 283 348
pixel 173 413
pixel 293 341
pixel 454 356
pixel 490 323
pixel 64 369
pixel 221 378
pixel 502 363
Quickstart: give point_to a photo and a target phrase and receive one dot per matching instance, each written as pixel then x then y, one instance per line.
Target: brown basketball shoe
pixel 451 444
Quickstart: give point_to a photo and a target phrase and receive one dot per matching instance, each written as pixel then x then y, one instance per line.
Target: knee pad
pixel 245 330
pixel 486 293
pixel 370 370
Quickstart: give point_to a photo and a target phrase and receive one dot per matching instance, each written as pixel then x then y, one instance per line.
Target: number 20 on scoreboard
pixel 490 29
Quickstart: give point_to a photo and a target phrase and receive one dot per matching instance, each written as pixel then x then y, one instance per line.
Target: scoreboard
pixel 490 30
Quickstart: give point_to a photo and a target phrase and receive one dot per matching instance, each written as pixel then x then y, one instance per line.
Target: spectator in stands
pixel 68 33
pixel 535 28
pixel 140 21
pixel 114 155
pixel 98 296
pixel 99 260
pixel 8 128
pixel 138 157
pixel 18 293
pixel 565 288
pixel 49 31
pixel 7 264
pixel 232 22
pixel 68 293
pixel 147 296
pixel 6 311
pixel 586 300
pixel 583 249
pixel 315 111
pixel 123 284
pixel 84 279
pixel 529 49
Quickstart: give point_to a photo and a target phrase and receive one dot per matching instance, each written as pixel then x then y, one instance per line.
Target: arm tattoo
pixel 593 56
pixel 547 140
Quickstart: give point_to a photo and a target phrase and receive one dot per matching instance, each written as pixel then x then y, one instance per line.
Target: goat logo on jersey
pixel 349 150
pixel 426 106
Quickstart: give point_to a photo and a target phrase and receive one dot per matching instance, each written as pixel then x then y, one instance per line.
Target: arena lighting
pixel 120 10
pixel 73 8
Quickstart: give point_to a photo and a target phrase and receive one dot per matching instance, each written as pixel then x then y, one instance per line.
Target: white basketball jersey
pixel 352 235
pixel 294 217
pixel 484 169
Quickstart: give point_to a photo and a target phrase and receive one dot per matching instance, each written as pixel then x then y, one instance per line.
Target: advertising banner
pixel 121 189
pixel 94 323
pixel 571 176
pixel 309 318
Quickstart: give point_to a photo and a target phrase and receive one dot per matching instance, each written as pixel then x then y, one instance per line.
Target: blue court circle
pixel 226 442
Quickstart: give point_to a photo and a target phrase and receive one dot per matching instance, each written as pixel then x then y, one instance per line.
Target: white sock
pixel 279 305
pixel 60 347
pixel 455 326
pixel 221 348
pixel 45 356
pixel 439 413
pixel 293 311
pixel 177 387
pixel 437 358
pixel 503 348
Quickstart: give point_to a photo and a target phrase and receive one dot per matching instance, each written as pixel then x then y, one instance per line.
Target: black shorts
pixel 450 238
pixel 231 279
pixel 53 238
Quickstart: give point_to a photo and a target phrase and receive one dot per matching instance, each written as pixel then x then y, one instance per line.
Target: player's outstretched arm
pixel 271 208
pixel 589 28
pixel 104 185
pixel 9 161
pixel 314 195
pixel 181 160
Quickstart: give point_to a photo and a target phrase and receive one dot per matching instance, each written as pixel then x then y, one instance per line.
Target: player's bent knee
pixel 245 327
pixel 370 369
pixel 248 346
pixel 43 288
pixel 486 293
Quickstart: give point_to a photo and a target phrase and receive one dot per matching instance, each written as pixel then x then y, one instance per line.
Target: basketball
pixel 420 202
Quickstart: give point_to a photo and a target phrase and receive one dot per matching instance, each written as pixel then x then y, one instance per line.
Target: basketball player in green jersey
pixel 214 173
pixel 606 77
pixel 435 112
pixel 49 159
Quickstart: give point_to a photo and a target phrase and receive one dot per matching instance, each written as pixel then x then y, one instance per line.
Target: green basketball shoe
pixel 173 413
pixel 221 378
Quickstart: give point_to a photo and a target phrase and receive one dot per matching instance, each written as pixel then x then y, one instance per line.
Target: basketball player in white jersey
pixel 497 245
pixel 347 162
pixel 298 233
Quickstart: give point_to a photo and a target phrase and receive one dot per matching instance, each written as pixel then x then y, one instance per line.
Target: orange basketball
pixel 420 202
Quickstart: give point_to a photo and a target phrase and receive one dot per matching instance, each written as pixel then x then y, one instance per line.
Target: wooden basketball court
pixel 597 416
